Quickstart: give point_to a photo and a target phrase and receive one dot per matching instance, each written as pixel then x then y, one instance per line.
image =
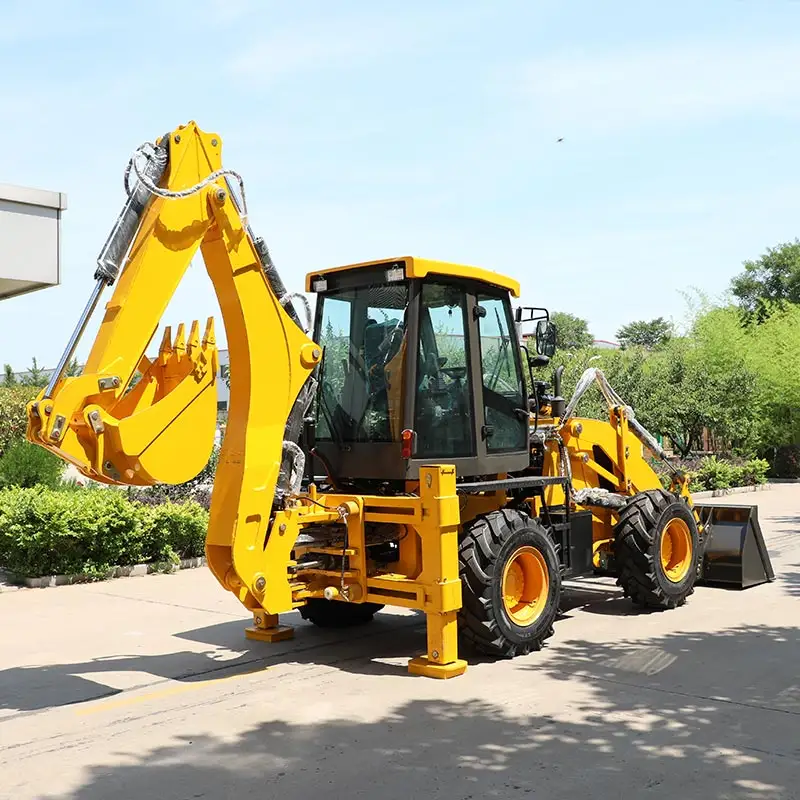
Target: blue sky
pixel 367 130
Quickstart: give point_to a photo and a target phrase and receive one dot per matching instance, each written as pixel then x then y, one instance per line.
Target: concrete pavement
pixel 146 688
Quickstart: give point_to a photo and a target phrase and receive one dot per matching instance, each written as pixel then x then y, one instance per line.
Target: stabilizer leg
pixel 442 659
pixel 265 628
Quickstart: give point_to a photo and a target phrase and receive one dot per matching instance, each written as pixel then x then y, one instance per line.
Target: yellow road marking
pixel 169 692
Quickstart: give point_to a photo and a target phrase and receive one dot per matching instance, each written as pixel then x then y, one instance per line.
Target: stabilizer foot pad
pixel 422 665
pixel 278 634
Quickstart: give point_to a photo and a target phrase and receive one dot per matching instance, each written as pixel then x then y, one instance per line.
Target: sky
pixel 369 130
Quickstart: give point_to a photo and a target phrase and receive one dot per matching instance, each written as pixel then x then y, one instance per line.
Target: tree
pixel 769 282
pixel 688 390
pixel 650 335
pixel 9 379
pixel 73 369
pixel 572 333
pixel 35 376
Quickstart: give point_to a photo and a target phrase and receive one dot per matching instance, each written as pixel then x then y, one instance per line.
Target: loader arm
pixel 162 429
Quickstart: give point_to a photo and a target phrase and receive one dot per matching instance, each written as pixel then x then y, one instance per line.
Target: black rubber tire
pixel 338 614
pixel 637 549
pixel 488 542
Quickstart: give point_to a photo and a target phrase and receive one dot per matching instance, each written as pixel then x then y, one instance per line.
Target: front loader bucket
pixel 734 552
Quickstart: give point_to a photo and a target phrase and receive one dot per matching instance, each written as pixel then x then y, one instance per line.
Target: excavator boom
pixel 123 420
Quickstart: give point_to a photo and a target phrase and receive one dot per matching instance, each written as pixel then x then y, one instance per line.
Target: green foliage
pixel 13 417
pixel 785 462
pixel 650 335
pixel 714 474
pixel 718 473
pixel 25 465
pixel 686 390
pixel 769 282
pixel 767 352
pixel 44 532
pixel 9 378
pixel 35 376
pixel 174 530
pixel 87 532
pixel 677 391
pixel 198 489
pixel 572 333
pixel 754 472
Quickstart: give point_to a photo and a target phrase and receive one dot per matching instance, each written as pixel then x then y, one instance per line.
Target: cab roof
pixel 420 267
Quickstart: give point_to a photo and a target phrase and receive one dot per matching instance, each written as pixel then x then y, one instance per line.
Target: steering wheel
pixel 456 373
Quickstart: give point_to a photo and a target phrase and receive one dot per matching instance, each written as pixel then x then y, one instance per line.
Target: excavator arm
pixel 131 420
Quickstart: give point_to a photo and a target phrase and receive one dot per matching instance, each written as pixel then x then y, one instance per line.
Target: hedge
pixel 26 465
pixel 13 416
pixel 711 473
pixel 89 531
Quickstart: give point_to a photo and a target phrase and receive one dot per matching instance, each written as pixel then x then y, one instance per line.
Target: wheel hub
pixel 676 550
pixel 525 586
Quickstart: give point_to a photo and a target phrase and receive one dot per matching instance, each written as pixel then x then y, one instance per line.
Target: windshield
pixel 363 333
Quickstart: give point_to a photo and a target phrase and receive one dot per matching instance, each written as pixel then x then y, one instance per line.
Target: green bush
pixel 715 473
pixel 174 530
pixel 46 532
pixel 13 416
pixel 754 472
pixel 43 532
pixel 25 465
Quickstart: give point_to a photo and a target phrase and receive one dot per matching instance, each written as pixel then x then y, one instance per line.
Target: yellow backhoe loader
pixel 400 450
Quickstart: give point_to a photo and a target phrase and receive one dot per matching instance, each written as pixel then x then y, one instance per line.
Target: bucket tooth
pixel 180 341
pixel 193 343
pixel 165 349
pixel 208 335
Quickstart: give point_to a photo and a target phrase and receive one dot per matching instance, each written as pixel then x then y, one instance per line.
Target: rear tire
pixel 511 584
pixel 338 614
pixel 656 547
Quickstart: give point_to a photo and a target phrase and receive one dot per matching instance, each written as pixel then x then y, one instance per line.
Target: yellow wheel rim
pixel 676 550
pixel 526 585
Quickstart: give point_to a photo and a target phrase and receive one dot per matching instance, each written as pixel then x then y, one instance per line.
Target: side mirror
pixel 545 338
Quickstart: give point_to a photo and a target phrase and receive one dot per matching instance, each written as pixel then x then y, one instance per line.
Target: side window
pixel 503 392
pixel 443 418
pixel 362 331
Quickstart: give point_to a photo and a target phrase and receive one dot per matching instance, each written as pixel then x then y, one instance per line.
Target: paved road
pixel 146 688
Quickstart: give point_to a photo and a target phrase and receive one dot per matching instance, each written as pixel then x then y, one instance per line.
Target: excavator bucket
pixel 734 552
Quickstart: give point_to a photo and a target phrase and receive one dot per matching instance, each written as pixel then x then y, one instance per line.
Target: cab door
pixel 504 420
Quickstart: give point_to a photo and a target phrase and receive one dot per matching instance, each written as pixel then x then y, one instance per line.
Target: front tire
pixel 656 546
pixel 511 584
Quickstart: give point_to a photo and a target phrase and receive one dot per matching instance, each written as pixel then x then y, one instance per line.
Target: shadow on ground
pixel 362 651
pixel 790 579
pixel 725 728
pixel 229 652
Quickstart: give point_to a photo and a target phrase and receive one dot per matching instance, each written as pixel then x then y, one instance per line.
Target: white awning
pixel 30 239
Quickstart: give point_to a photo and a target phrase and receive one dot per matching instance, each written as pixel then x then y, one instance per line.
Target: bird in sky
pixel 560 140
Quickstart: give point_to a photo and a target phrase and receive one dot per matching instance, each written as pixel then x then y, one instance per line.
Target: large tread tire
pixel 488 543
pixel 338 614
pixel 637 550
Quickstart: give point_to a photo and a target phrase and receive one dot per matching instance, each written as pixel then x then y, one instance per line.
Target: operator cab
pixel 421 364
